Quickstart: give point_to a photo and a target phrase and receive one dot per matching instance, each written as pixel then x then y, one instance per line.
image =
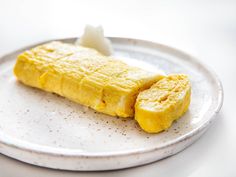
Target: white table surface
pixel 203 28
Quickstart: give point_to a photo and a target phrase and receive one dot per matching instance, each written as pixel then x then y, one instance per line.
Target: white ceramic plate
pixel 47 130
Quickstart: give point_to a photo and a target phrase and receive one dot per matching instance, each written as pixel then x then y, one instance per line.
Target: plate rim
pixel 47 150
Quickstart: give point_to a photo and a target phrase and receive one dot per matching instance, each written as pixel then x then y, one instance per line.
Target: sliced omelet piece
pixel 84 76
pixel 156 108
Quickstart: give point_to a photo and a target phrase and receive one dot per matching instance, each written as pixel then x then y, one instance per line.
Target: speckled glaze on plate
pixel 47 130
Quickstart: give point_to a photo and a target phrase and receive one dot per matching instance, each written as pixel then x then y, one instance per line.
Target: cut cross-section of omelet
pixel 156 108
pixel 85 76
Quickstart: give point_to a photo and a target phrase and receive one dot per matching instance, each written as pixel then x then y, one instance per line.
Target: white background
pixel 204 28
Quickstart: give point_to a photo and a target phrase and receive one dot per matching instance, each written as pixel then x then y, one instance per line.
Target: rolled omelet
pixel 167 100
pixel 105 84
pixel 85 76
